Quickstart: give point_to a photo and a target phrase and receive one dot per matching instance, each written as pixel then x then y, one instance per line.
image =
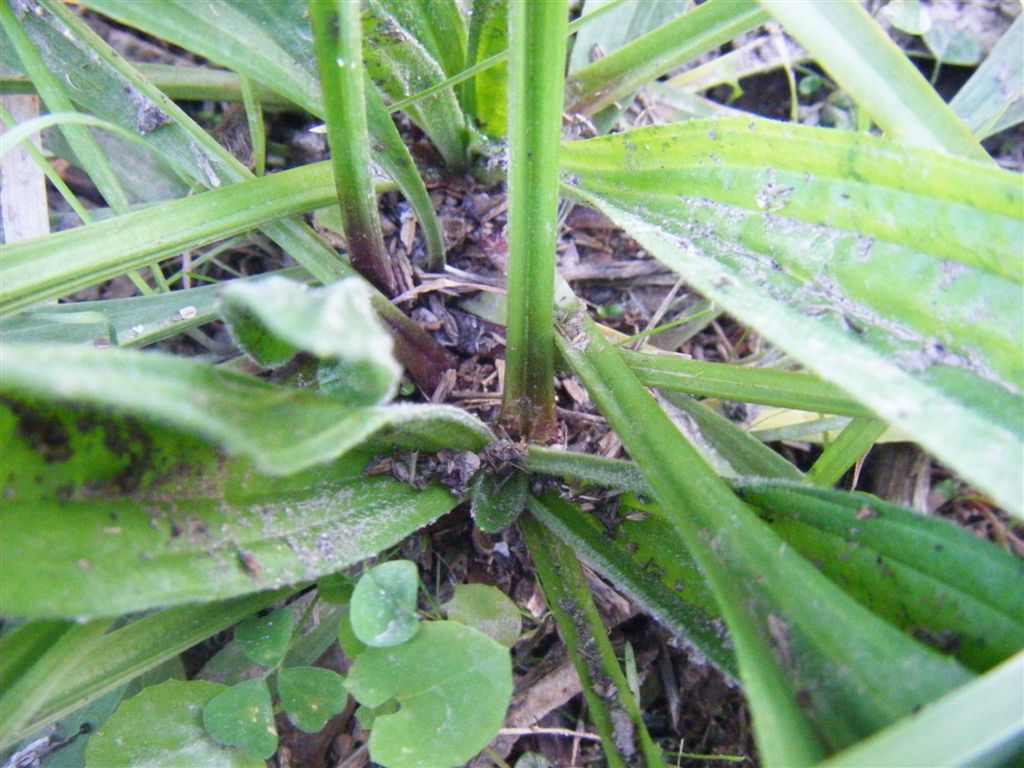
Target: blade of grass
pixel 785 389
pixel 868 65
pixel 485 96
pixel 254 119
pixel 536 71
pixel 340 58
pixel 698 31
pixel 612 708
pixel 846 450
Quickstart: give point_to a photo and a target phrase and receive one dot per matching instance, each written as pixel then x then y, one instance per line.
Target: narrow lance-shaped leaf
pixel 702 29
pixel 612 706
pixel 812 236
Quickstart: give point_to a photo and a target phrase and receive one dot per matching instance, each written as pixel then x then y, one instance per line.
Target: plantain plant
pixel 152 501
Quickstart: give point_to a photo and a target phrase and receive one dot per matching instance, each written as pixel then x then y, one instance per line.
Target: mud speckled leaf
pixel 193 527
pixel 162 727
pixel 264 639
pixel 273 318
pixel 486 609
pixel 244 415
pixel 243 716
pixel 311 696
pixel 813 236
pixel 383 609
pixel 453 685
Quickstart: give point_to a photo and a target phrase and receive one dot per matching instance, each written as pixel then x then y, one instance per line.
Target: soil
pixel 689 706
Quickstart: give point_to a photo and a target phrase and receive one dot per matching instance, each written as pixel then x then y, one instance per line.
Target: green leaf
pixel 910 16
pixel 486 609
pixel 987 730
pixel 273 318
pixel 240 413
pixel 134 321
pixel 869 66
pixel 124 654
pixel 612 707
pixel 993 98
pixel 194 526
pixel 952 45
pixel 702 29
pixel 619 27
pixel 646 560
pixel 496 501
pixel 265 639
pixel 453 685
pixel 485 96
pixel 925 575
pixel 383 609
pixel 271 44
pixel 311 696
pixel 243 716
pixel 162 727
pixel 336 588
pixel 822 273
pixel 402 41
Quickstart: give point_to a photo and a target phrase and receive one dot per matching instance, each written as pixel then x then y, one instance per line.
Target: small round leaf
pixel 452 684
pixel 265 639
pixel 243 716
pixel 162 727
pixel 383 610
pixel 311 696
pixel 488 610
pixel 336 588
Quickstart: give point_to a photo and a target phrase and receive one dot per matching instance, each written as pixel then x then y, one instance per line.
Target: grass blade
pixel 537 33
pixel 485 96
pixel 619 74
pixel 785 389
pixel 847 449
pixel 861 57
pixel 611 705
pixel 340 58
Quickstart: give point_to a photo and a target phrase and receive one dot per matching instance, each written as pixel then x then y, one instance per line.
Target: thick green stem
pixel 340 58
pixel 536 73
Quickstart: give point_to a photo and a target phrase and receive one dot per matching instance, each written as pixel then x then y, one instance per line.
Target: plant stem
pixel 536 74
pixel 340 59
